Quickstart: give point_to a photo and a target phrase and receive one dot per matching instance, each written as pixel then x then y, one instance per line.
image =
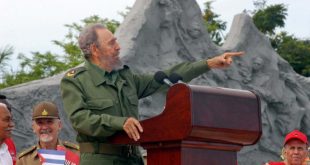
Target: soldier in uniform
pixel 46 125
pixel 102 96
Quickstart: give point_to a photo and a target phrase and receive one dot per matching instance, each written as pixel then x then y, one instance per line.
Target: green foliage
pixel 259 4
pixel 14 78
pixel 42 65
pixel 215 26
pixel 295 51
pixel 269 18
pixel 5 54
pixel 37 67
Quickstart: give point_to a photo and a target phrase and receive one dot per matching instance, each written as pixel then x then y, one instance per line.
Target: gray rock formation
pixel 159 33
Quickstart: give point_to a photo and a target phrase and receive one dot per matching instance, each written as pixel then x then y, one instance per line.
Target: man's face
pixel 46 129
pixel 108 49
pixel 6 122
pixel 295 152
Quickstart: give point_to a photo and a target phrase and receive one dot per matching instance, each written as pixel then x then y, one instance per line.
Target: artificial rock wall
pixel 160 33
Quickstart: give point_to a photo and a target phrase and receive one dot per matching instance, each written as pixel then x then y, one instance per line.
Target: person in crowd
pixel 7 147
pixel 46 124
pixel 295 150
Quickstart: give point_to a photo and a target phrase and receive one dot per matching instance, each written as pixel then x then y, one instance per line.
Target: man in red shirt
pixel 7 147
pixel 295 151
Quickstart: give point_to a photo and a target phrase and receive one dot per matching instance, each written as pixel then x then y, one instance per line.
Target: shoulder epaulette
pixel 28 150
pixel 71 145
pixel 75 71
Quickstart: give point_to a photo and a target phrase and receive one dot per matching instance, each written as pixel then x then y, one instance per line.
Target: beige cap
pixel 45 109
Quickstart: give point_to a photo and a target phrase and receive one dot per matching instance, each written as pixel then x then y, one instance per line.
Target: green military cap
pixel 45 109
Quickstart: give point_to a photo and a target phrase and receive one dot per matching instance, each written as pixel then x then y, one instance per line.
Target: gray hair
pixel 87 37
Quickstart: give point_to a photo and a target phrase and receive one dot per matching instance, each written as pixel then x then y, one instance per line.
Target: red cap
pixel 296 135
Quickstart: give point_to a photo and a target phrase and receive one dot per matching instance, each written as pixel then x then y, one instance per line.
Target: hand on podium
pixel 133 128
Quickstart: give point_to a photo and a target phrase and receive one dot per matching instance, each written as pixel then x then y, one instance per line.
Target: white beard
pixel 118 66
pixel 46 138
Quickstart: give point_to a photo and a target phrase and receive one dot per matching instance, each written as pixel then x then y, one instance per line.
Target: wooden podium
pixel 200 125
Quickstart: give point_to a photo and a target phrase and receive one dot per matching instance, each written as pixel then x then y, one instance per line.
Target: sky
pixel 31 25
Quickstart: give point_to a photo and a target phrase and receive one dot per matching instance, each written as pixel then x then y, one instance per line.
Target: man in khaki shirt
pixel 46 125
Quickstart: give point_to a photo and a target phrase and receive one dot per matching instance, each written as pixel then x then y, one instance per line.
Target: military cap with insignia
pixel 45 109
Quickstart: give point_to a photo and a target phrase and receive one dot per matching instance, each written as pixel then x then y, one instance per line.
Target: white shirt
pixel 5 157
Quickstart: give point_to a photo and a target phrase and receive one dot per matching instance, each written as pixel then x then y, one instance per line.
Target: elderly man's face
pixel 46 129
pixel 6 122
pixel 295 152
pixel 108 49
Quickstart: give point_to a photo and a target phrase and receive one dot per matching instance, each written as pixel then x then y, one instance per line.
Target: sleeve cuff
pixel 201 67
pixel 118 122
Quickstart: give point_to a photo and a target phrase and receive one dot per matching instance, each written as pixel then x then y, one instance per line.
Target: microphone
pixel 162 78
pixel 175 78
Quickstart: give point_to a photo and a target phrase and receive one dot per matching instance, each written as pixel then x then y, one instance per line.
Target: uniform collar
pixel 99 75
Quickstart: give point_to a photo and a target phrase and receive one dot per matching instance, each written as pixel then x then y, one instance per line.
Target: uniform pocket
pixel 133 100
pixel 99 104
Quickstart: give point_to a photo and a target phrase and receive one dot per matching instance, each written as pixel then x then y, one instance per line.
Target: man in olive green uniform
pixel 46 125
pixel 101 97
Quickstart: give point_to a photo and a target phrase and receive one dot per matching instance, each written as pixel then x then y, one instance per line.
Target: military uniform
pixel 30 156
pixel 98 103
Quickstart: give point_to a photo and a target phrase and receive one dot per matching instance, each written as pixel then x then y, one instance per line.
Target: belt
pixel 110 149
